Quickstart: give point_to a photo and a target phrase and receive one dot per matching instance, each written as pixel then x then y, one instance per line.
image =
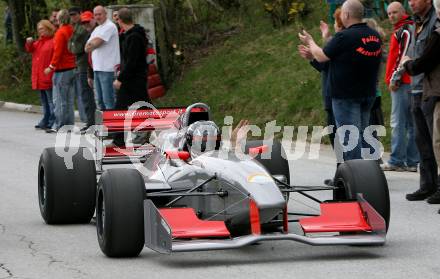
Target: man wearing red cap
pixel 76 46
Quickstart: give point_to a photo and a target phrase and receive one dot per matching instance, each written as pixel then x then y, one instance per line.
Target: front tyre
pixel 120 213
pixel 365 177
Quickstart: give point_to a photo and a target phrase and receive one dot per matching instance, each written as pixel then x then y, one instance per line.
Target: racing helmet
pixel 202 136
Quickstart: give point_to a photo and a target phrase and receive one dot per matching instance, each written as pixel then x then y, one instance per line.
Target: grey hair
pixel 63 17
pixel 437 5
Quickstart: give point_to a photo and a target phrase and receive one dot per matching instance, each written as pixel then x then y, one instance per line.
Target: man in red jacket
pixel 63 65
pixel 404 153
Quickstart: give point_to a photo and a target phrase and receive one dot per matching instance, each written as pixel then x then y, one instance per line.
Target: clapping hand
pixel 305 38
pixel 325 30
pixel 239 134
pixel 304 52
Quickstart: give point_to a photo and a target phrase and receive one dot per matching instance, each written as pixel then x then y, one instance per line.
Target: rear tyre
pixel 120 213
pixel 276 165
pixel 365 177
pixel 66 196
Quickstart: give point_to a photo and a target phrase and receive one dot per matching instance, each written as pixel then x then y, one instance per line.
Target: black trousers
pixel 423 112
pixel 130 92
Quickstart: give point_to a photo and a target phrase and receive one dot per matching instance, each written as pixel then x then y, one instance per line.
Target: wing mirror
pixel 182 155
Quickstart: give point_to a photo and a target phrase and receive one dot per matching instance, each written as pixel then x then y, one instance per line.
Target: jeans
pixel 423 112
pixel 79 100
pixel 403 146
pixel 105 94
pixel 87 98
pixel 63 96
pixel 48 109
pixel 354 112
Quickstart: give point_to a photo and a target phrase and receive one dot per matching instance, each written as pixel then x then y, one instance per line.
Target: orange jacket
pixel 62 58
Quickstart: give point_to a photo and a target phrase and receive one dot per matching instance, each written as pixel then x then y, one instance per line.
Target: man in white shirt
pixel 104 46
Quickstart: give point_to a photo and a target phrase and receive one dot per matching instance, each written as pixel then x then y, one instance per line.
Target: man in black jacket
pixel 131 82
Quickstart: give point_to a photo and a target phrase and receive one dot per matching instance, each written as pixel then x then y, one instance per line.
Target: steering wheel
pixel 185 120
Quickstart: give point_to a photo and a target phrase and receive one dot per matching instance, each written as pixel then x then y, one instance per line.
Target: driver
pixel 201 137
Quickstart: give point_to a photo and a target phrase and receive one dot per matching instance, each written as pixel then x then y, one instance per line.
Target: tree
pixel 89 5
pixel 25 16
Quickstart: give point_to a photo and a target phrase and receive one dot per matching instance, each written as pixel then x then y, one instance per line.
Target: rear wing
pixel 142 120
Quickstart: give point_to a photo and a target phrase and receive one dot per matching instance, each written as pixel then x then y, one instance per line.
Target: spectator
pixel 376 114
pixel 115 19
pixel 423 111
pixel 74 13
pixel 8 25
pixel 323 68
pixel 404 153
pixel 131 83
pixel 53 17
pixel 354 55
pixel 104 46
pixel 63 65
pixel 427 62
pixel 89 23
pixel 76 45
pixel 42 51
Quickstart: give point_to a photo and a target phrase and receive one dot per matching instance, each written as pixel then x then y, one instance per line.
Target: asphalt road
pixel 31 249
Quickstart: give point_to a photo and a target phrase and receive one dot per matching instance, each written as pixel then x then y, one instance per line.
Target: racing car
pixel 191 192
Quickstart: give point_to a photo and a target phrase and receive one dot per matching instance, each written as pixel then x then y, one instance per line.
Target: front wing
pixel 160 236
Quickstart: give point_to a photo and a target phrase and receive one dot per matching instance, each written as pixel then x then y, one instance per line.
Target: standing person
pixel 423 110
pixel 376 114
pixel 8 25
pixel 104 46
pixel 404 153
pixel 131 83
pixel 42 51
pixel 115 19
pixel 323 68
pixel 354 55
pixel 76 45
pixel 53 17
pixel 74 13
pixel 63 65
pixel 428 64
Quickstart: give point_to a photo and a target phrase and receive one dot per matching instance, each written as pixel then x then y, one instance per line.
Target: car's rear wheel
pixel 120 213
pixel 66 196
pixel 365 177
pixel 277 164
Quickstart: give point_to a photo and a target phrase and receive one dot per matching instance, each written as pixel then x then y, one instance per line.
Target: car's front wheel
pixel 364 177
pixel 119 213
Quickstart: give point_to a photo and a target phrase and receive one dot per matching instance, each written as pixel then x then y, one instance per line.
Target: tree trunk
pixel 25 16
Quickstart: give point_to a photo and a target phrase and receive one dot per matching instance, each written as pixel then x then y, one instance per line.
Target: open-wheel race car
pixel 191 193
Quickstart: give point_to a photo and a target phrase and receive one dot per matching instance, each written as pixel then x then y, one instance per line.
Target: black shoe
pixel 419 195
pixel 84 129
pixel 329 182
pixel 38 127
pixel 51 131
pixel 439 211
pixel 434 198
